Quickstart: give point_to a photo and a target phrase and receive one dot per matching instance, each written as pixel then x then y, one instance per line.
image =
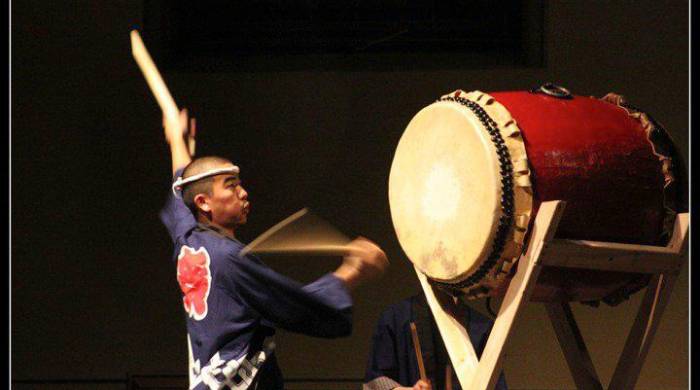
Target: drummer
pixel 234 302
pixel 392 362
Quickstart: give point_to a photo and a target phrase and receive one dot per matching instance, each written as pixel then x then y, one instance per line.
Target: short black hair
pixel 202 186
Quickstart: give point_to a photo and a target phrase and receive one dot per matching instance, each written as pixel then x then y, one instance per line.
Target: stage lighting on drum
pixel 442 193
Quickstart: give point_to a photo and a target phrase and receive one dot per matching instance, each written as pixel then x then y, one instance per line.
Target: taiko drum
pixel 471 169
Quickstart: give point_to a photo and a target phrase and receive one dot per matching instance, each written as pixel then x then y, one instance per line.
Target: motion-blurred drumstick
pixel 419 354
pixel 153 78
pixel 190 136
pixel 301 232
pixel 448 377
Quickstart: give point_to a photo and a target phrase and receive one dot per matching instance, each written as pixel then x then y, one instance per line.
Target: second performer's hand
pixel 364 261
pixel 420 385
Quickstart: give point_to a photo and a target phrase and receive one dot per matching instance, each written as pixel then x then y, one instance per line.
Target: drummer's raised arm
pixel 174 131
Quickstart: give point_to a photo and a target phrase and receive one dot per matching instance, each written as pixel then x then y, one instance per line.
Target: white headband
pixel 177 185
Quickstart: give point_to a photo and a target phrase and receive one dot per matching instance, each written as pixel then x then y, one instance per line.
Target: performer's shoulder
pixel 219 247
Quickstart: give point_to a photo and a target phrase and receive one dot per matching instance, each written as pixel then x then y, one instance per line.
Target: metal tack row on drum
pixel 471 169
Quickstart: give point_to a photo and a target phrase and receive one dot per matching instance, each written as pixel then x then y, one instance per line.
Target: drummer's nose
pixel 242 193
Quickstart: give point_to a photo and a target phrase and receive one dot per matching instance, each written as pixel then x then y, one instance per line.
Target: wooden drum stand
pixel 543 250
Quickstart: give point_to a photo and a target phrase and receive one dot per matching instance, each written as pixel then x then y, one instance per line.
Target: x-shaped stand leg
pixel 638 341
pixel 663 263
pixel 573 346
pixel 482 374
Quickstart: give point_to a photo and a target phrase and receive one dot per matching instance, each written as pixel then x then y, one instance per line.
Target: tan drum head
pixel 446 191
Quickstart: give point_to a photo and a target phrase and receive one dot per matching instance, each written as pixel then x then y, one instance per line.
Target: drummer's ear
pixel 201 201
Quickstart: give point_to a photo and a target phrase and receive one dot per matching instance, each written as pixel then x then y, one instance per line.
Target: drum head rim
pixel 477 280
pixel 486 146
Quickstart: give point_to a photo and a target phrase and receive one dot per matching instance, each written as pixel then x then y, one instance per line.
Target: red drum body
pixel 599 159
pixel 495 157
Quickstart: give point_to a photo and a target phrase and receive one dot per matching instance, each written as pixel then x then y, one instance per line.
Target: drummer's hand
pixel 364 261
pixel 175 130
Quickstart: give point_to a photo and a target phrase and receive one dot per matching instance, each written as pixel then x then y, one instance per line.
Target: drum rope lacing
pixel 506 220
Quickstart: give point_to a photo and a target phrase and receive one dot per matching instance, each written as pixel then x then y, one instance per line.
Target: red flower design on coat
pixel 194 278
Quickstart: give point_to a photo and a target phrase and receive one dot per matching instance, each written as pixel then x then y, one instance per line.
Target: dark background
pixel 93 293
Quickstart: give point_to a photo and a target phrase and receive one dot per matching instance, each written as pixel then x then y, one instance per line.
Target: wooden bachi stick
pixel 301 233
pixel 419 354
pixel 448 377
pixel 153 77
pixel 274 229
pixel 190 136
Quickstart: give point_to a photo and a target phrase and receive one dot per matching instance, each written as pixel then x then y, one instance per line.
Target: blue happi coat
pixel 233 302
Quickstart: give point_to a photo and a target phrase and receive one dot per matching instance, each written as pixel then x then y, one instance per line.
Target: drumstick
pixel 153 78
pixel 419 354
pixel 301 232
pixel 190 136
pixel 448 377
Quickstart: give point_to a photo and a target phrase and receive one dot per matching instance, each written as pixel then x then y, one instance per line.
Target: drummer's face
pixel 229 201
